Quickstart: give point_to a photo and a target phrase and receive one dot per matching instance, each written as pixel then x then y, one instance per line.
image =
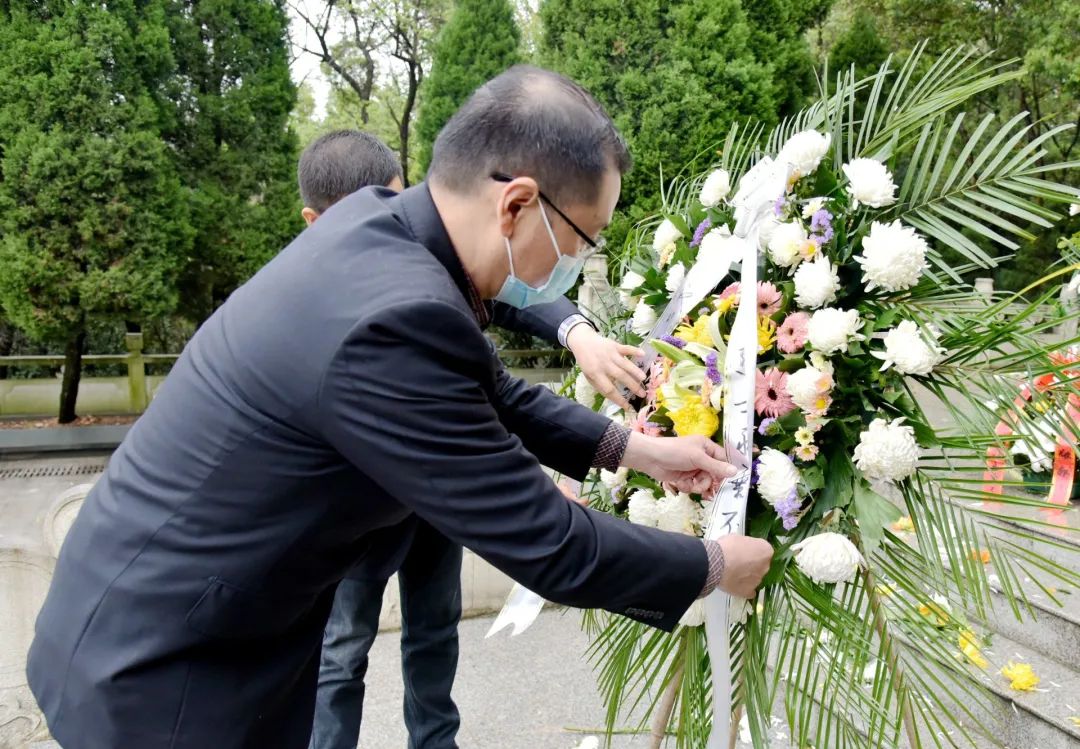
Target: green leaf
pixel 838 490
pixel 874 513
pixel 674 353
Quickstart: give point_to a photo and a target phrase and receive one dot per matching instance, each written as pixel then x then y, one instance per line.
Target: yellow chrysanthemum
pixel 904 524
pixel 695 418
pixel 1021 676
pixel 936 613
pixel 969 646
pixel 766 334
pixel 727 304
pixel 696 333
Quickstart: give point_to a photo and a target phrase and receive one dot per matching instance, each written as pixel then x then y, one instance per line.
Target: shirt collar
pixel 418 210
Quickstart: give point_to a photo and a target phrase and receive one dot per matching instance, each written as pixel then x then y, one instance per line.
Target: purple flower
pixel 699 232
pixel 780 205
pixel 674 341
pixel 763 427
pixel 788 510
pixel 755 465
pixel 711 370
pixel 821 226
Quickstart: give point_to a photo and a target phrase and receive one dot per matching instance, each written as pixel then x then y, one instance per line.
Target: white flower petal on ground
pixel 584 392
pixel 804 151
pixel 716 187
pixel 675 276
pixel 887 450
pixel 816 283
pixel 830 330
pixel 870 183
pixel 785 244
pixel 629 282
pixel 828 558
pixel 908 350
pixel 667 233
pixel 644 318
pixel 893 257
pixel 777 475
pixel 643 509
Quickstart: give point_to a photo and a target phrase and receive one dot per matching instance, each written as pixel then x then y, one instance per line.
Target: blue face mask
pixel 564 275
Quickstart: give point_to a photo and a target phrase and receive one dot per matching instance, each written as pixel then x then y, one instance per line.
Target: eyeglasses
pixel 595 245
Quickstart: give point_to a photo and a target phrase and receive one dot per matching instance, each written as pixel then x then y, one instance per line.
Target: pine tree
pixel 92 218
pixel 673 76
pixel 480 40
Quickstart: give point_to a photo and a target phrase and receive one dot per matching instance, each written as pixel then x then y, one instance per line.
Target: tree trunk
pixel 7 342
pixel 69 386
pixel 406 117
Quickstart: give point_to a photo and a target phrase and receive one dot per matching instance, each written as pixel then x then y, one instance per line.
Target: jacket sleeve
pixel 405 401
pixel 541 320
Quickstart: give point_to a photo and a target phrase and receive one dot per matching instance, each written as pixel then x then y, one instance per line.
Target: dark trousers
pixel 430 584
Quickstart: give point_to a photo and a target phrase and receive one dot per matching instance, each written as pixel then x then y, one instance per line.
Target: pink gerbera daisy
pixel 768 299
pixel 771 396
pixel 791 335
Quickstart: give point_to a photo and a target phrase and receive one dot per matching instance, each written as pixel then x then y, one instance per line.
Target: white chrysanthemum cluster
pixel 816 283
pixel 584 392
pixel 804 151
pixel 786 243
pixel 830 330
pixel 717 186
pixel 643 509
pixel 613 480
pixel 675 276
pixel 887 451
pixel 667 233
pixel 677 513
pixel 870 183
pixel 777 476
pixel 828 558
pixel 644 318
pixel 893 257
pixel 908 350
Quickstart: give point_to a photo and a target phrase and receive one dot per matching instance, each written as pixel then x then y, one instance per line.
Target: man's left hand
pixel 606 364
pixel 688 464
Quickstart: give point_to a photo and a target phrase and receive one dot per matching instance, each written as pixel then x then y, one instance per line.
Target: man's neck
pixel 486 274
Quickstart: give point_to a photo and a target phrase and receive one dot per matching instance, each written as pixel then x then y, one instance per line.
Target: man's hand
pixel 605 364
pixel 688 464
pixel 569 492
pixel 746 561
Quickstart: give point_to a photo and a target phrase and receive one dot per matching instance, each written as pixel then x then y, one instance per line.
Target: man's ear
pixel 515 196
pixel 309 214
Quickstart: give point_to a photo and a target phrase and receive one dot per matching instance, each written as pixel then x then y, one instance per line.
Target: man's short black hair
pixel 530 122
pixel 340 163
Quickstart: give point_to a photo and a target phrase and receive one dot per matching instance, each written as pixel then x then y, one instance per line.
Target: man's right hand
pixel 746 560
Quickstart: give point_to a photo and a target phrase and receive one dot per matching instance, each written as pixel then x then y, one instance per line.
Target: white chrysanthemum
pixel 717 186
pixel 614 479
pixel 804 151
pixel 584 392
pixel 1074 208
pixel 828 558
pixel 644 318
pixel 677 513
pixel 675 276
pixel 887 450
pixel 766 230
pixel 695 615
pixel 785 244
pixel 870 183
pixel 629 282
pixel 893 257
pixel 816 283
pixel 643 509
pixel 806 387
pixel 830 329
pixel 908 351
pixel 777 475
pixel 667 233
pixel 812 206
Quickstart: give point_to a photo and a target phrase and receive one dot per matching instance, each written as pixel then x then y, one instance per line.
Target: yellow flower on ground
pixel 969 646
pixel 980 555
pixel 696 333
pixel 935 612
pixel 904 524
pixel 1021 676
pixel 695 418
pixel 766 334
pixel 1075 720
pixel 886 591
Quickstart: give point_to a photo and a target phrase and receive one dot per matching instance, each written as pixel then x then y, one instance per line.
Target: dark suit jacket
pixel 345 386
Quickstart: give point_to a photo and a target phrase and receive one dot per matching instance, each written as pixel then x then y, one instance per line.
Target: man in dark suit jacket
pixel 345 386
pixel 427 563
